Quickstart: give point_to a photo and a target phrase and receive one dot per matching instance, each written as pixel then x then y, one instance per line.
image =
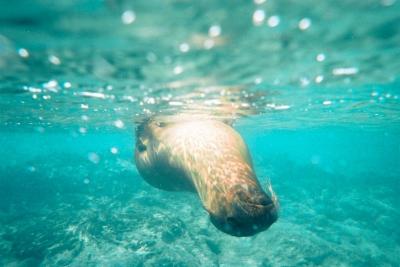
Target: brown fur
pixel 204 156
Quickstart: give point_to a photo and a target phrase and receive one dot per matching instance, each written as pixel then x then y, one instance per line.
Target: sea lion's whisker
pixel 274 197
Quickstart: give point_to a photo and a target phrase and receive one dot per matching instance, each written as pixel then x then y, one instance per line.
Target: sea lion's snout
pixel 249 213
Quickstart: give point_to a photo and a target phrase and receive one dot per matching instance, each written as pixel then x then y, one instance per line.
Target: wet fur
pixel 204 156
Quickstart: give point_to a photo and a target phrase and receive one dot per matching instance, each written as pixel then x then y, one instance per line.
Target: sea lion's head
pixel 245 210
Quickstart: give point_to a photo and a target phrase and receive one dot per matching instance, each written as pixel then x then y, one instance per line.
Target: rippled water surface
pixel 312 86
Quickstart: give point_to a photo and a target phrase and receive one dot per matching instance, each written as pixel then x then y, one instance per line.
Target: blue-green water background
pixel 74 80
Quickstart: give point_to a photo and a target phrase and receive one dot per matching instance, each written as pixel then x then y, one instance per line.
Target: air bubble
pixel 214 31
pixel 184 47
pixel 128 17
pixel 258 17
pixel 114 150
pixel 119 124
pixel 273 21
pixel 54 60
pixel 304 24
pixel 93 157
pixel 22 52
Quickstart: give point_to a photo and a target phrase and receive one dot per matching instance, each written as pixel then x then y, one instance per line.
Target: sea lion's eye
pixel 160 124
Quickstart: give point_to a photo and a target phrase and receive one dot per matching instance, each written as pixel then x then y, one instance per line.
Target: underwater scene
pixel 312 88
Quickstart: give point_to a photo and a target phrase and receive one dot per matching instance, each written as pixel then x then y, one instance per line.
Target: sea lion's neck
pixel 213 157
pixel 217 181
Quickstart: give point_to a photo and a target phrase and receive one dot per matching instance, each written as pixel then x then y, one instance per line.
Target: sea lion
pixel 210 158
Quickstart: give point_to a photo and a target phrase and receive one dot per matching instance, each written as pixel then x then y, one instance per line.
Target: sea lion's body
pixel 208 157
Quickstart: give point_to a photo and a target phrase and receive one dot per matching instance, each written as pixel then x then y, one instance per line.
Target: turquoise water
pixel 312 87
